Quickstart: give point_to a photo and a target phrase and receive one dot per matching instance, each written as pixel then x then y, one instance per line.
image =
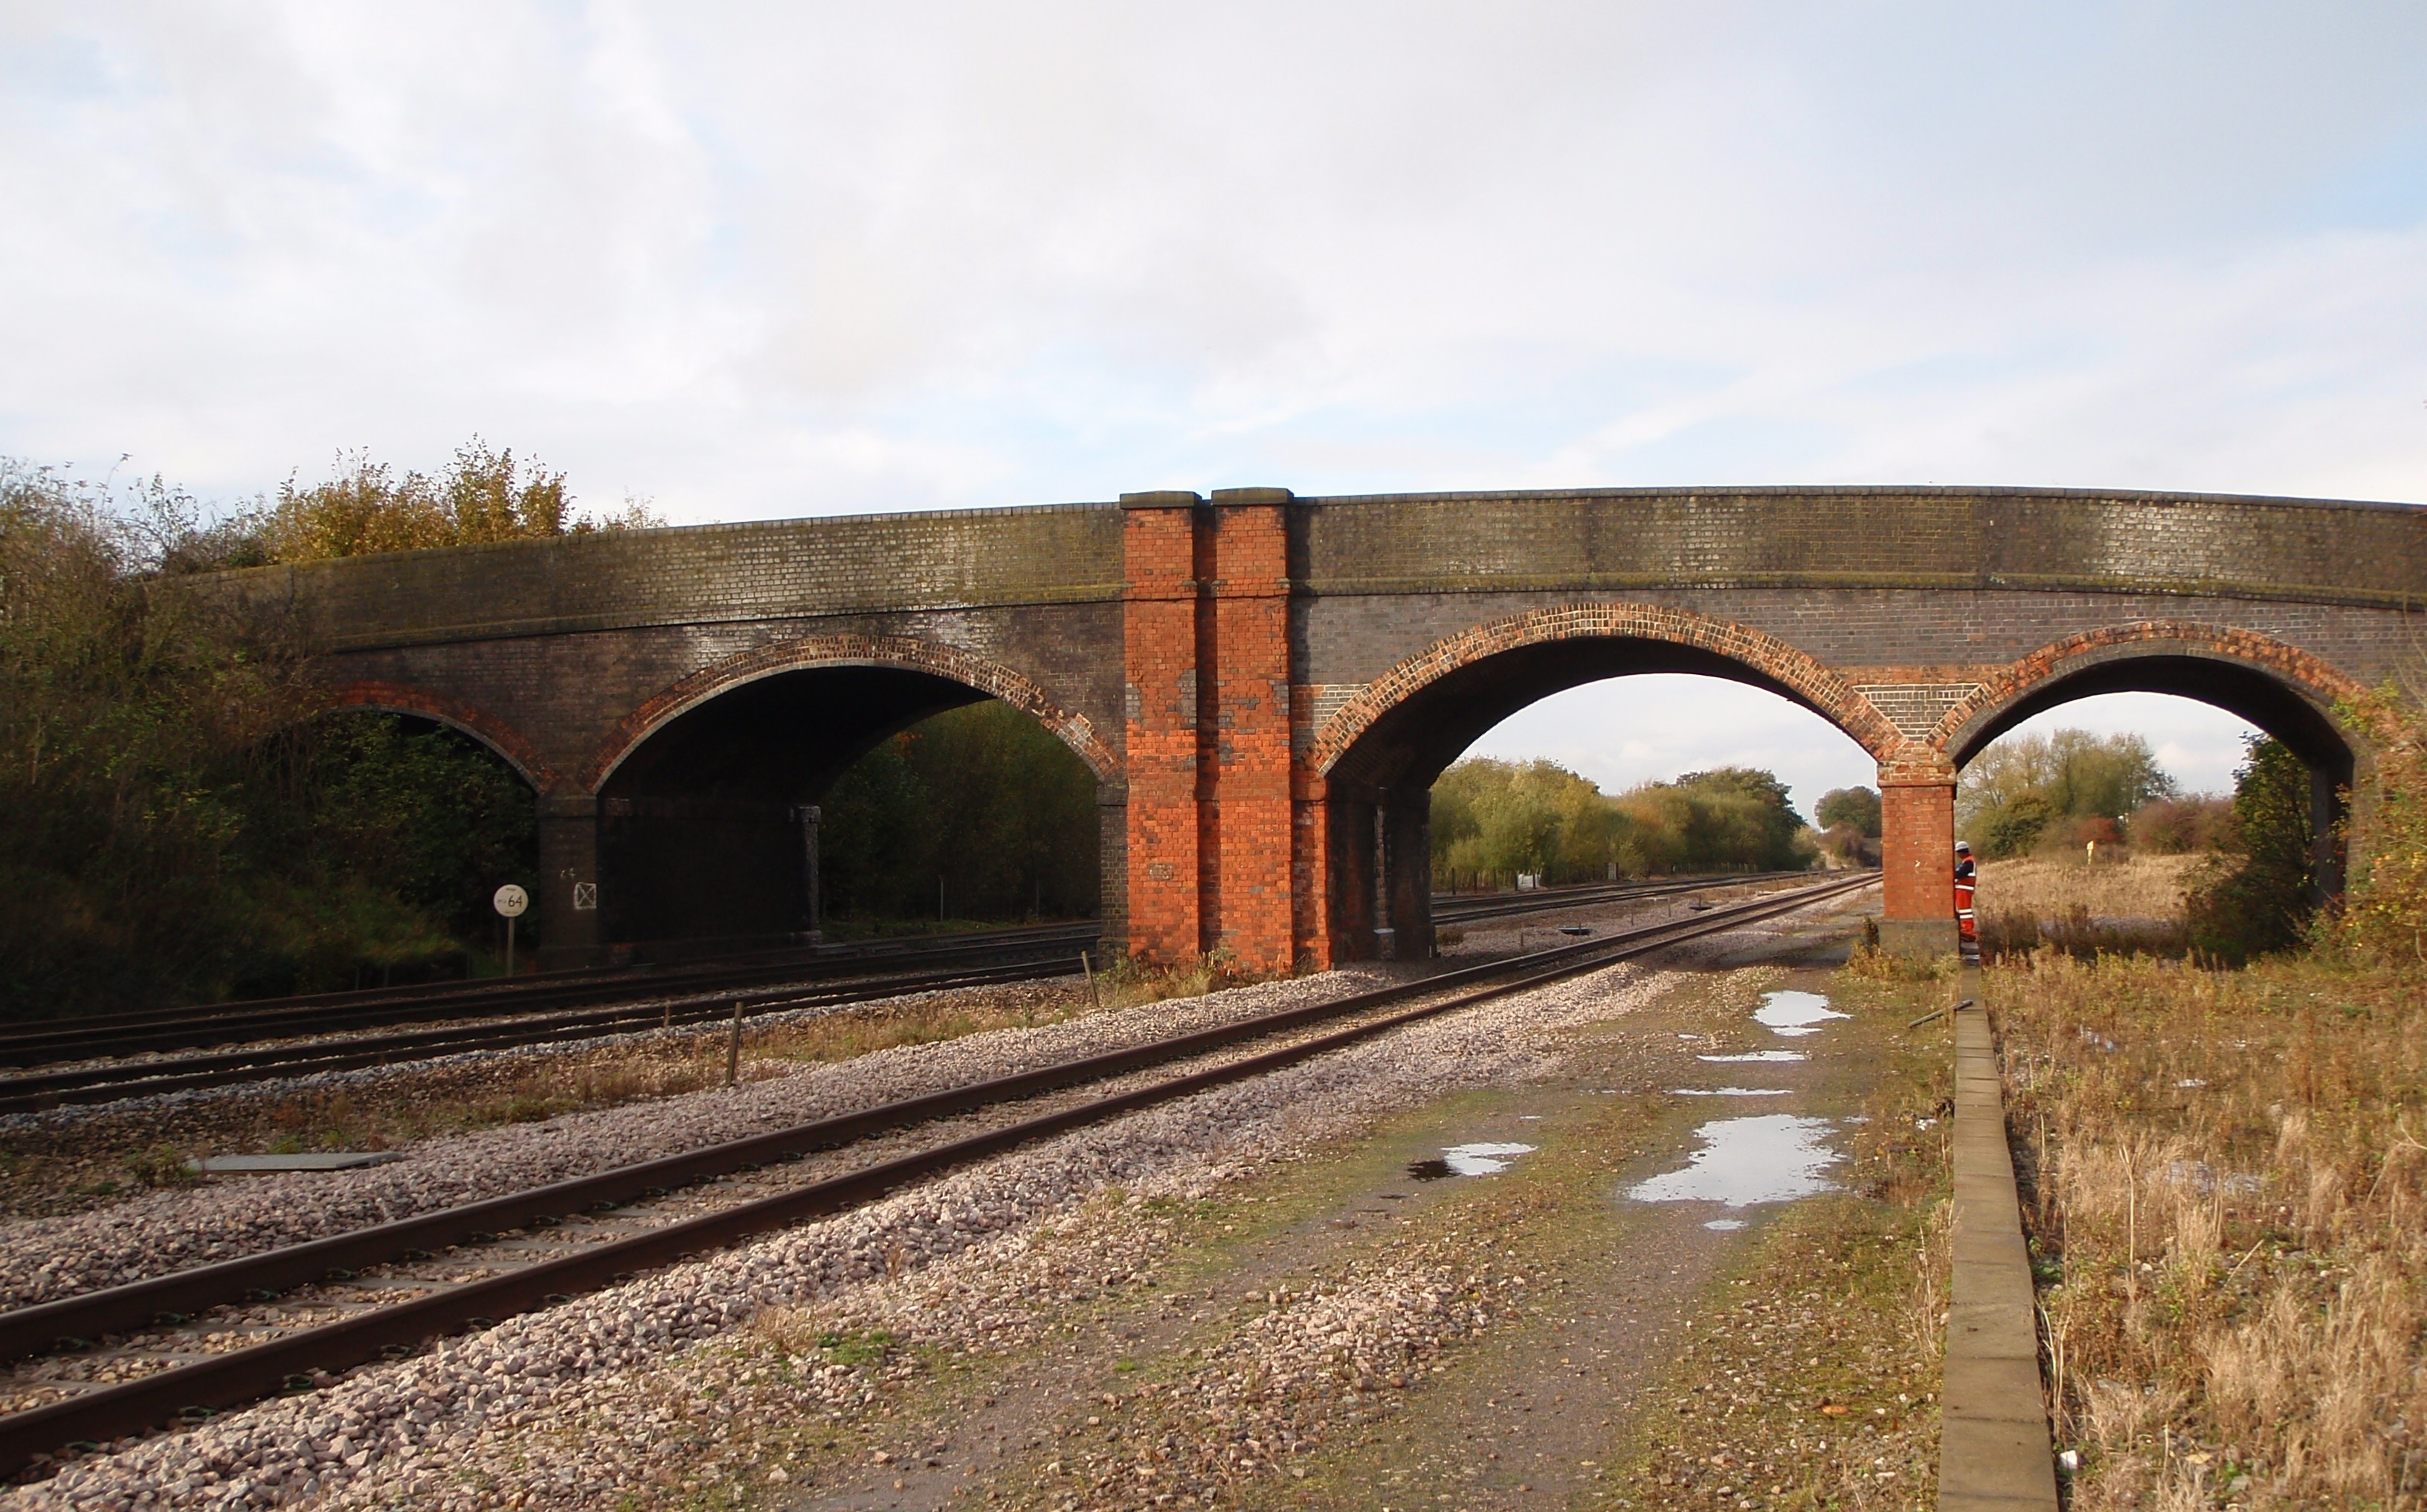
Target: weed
pixel 2222 1189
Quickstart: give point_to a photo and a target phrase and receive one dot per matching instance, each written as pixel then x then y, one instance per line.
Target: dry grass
pixel 2225 1192
pixel 2132 885
pixel 2125 905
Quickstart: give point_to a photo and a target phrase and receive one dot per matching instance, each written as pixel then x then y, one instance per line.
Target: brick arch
pixel 2313 679
pixel 402 698
pixel 811 651
pixel 1773 660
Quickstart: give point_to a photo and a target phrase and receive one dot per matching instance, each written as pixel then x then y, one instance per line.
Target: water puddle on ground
pixel 1729 1092
pixel 1791 1012
pixel 1468 1159
pixel 1766 1056
pixel 1743 1162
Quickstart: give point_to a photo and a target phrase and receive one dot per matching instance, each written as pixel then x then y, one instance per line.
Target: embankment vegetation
pixel 1493 821
pixel 189 823
pixel 183 827
pixel 2223 1163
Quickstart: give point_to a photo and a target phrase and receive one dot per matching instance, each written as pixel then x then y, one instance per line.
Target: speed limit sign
pixel 512 901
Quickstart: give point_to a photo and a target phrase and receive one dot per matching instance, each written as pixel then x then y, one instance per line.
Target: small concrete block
pixel 1994 1391
pixel 2010 1461
pixel 1982 1245
pixel 1992 1330
pixel 350 1160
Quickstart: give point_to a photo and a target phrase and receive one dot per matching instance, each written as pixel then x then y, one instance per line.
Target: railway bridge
pixel 1266 686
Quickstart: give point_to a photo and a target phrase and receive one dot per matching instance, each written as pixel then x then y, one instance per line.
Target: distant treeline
pixel 1493 821
pixel 976 813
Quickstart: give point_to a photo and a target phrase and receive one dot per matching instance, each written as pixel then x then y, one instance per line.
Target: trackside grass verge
pixel 2223 1186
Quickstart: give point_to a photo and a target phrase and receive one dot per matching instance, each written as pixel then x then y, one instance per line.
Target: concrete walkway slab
pixel 1994 1450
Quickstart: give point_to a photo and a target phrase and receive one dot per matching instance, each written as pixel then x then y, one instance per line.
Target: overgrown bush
pixel 2258 899
pixel 2384 916
pixel 2174 826
pixel 182 827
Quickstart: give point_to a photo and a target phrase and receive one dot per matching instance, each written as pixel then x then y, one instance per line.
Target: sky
pixel 768 261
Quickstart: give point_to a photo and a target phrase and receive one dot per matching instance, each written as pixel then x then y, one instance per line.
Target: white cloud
pixel 768 260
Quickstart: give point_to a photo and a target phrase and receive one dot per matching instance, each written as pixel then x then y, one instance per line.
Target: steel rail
pixel 87 1084
pixel 1455 909
pixel 242 1375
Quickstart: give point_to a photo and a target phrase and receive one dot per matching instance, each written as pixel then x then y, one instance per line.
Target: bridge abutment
pixel 569 932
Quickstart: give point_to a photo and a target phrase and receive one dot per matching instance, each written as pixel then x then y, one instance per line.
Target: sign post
pixel 510 902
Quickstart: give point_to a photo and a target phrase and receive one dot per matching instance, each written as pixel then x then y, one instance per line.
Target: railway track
pixel 130 1358
pixel 1453 908
pixel 665 1004
pixel 145 1077
pixel 175 1029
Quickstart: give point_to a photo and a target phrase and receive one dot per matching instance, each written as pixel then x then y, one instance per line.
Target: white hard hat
pixel 1963 845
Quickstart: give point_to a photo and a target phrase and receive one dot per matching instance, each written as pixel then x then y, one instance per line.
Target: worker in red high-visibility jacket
pixel 1965 923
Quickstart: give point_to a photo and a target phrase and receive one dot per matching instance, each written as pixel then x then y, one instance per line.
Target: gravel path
pixel 573 1407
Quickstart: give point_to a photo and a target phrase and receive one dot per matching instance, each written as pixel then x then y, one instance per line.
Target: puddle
pixel 1774 1158
pixel 1793 1013
pixel 1770 1056
pixel 1468 1159
pixel 1729 1092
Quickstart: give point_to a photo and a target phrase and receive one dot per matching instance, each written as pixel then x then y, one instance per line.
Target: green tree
pixel 1497 819
pixel 2259 901
pixel 981 800
pixel 1748 818
pixel 1855 807
pixel 182 827
pixel 2023 790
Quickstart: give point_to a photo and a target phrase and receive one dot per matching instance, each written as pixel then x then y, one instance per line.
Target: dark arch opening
pixel 410 823
pixel 709 830
pixel 1379 790
pixel 2248 692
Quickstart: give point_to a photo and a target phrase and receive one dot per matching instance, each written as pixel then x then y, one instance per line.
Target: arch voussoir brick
pixel 807 652
pixel 1772 659
pixel 2312 675
pixel 375 695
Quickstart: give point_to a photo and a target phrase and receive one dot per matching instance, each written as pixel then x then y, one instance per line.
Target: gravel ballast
pixel 570 1407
